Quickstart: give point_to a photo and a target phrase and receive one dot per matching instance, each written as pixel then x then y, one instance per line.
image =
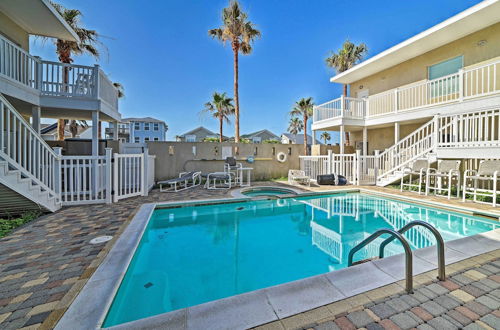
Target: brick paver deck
pixel 44 265
pixel 468 299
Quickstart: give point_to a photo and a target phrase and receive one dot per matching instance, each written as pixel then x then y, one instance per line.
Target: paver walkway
pixel 468 299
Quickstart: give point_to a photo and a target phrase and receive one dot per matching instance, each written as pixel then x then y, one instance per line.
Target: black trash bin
pixel 331 180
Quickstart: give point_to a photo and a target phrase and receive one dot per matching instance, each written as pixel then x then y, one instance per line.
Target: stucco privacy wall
pixel 175 157
pixel 14 32
pixel 322 149
pixel 415 70
pixel 383 138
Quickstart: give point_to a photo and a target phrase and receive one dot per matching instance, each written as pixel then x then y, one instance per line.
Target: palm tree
pixel 345 58
pixel 241 33
pixel 74 124
pixel 65 49
pixel 303 108
pixel 295 126
pixel 221 107
pixel 325 136
pixel 119 89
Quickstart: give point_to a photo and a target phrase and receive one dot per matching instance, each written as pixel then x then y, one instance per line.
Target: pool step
pixel 364 260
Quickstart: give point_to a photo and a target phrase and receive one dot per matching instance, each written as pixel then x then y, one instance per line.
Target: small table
pixel 241 170
pixel 224 178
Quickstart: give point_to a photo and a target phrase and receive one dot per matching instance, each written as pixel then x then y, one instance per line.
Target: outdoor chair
pixel 482 182
pixel 231 166
pixel 298 177
pixel 419 167
pixel 185 180
pixel 219 180
pixel 447 170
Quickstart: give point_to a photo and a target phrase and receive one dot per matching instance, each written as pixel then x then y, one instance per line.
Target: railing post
pixel 330 162
pixel 116 178
pixel 396 106
pixel 96 81
pixel 38 73
pixel 460 85
pixel 376 165
pixel 367 107
pixel 358 167
pixel 342 105
pixel 108 174
pixel 145 174
pixel 455 130
pixel 436 131
pixel 57 173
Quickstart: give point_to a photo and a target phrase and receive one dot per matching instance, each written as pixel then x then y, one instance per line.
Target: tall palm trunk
pixel 305 135
pixel 236 96
pixel 346 133
pixel 221 122
pixel 61 123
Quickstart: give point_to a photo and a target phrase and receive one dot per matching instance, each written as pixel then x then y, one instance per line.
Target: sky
pixel 161 53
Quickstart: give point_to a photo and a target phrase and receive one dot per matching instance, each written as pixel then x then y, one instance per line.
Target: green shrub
pixel 9 224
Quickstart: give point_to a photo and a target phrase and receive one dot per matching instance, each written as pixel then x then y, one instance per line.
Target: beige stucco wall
pixel 14 32
pixel 175 157
pixel 416 69
pixel 383 138
pixel 322 149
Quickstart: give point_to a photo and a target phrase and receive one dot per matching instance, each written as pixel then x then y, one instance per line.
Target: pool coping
pixel 265 305
pixel 238 193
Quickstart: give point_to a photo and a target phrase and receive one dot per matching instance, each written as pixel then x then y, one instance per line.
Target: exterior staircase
pixel 420 144
pixel 28 166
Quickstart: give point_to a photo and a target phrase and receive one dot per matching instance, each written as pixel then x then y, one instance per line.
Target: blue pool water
pixel 191 255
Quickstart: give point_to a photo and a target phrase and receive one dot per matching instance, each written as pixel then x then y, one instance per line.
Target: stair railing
pixel 25 150
pixel 439 240
pixel 406 246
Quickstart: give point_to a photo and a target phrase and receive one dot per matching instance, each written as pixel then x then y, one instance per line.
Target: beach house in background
pixel 138 130
pixel 287 138
pixel 49 132
pixel 261 136
pixel 198 134
pixel 433 96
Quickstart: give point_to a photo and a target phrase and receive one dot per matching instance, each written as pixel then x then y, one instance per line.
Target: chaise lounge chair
pixel 487 174
pixel 446 170
pixel 419 167
pixel 298 177
pixel 185 180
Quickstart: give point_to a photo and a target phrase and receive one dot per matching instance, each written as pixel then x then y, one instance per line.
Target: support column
pixel 95 133
pixel 365 141
pixel 342 138
pixel 396 132
pixel 36 115
pixel 115 131
pixel 314 137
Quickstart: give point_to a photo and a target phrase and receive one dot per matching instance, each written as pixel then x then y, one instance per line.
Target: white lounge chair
pixel 231 166
pixel 419 167
pixel 448 170
pixel 298 177
pixel 487 176
pixel 185 180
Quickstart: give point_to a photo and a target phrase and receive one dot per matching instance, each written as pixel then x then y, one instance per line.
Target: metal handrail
pixel 406 246
pixel 439 240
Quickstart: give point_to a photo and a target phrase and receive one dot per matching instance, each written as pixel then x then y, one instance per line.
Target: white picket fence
pixel 105 179
pixel 349 165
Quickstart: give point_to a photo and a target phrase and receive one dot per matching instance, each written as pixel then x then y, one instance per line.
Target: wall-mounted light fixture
pixel 482 43
pixel 361 86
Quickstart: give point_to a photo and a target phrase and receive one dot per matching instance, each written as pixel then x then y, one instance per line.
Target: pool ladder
pixel 408 253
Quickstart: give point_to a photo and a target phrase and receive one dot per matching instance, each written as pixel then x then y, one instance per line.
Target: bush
pixel 271 141
pixel 9 224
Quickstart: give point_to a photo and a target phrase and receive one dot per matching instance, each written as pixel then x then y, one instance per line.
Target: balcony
pixel 468 84
pixel 121 131
pixel 54 84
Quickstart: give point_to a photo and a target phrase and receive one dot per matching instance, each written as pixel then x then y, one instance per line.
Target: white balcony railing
pixel 54 78
pixel 466 84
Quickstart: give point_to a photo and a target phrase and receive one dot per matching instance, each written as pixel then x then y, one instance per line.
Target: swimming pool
pixel 193 254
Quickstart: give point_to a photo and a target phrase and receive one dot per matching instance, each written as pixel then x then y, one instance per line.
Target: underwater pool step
pixel 359 262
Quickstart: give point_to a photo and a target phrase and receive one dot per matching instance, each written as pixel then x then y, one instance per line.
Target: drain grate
pixel 100 239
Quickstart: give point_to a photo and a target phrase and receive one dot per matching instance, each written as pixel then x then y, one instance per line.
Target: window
pixel 137 139
pixel 146 139
pixel 137 126
pixel 156 126
pixel 445 86
pixel 146 126
pixel 156 139
pixel 256 139
pixel 190 138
